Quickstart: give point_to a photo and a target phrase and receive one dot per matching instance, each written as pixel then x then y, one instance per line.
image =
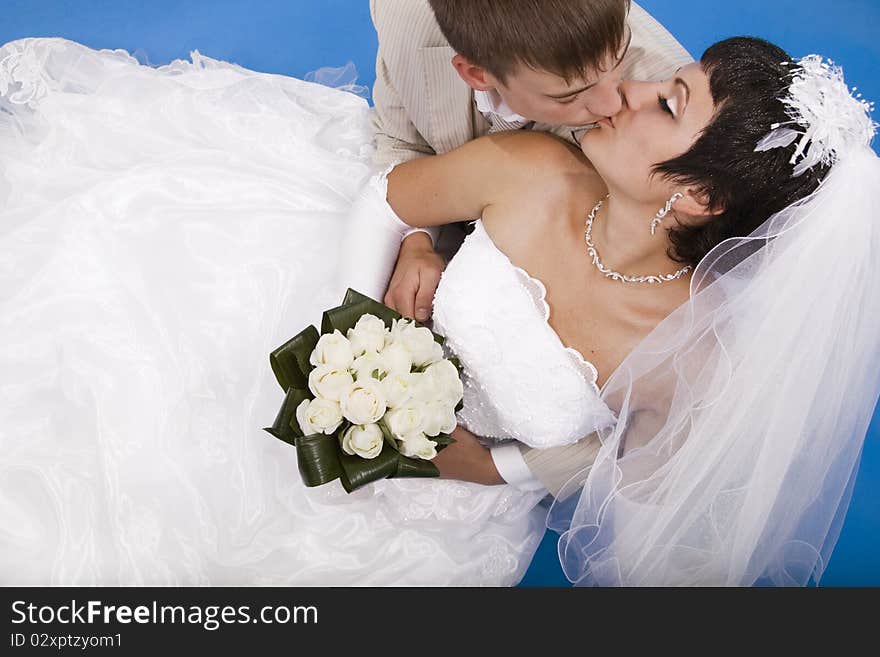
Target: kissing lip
pixel 609 121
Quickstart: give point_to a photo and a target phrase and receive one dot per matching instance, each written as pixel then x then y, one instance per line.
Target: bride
pixel 162 230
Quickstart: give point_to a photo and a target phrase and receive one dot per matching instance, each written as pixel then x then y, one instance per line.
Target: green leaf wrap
pixel 290 361
pixel 354 306
pixel 318 459
pixel 286 427
pixel 357 472
pixel 407 467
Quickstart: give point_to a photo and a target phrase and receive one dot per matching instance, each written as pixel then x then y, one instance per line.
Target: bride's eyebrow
pixel 687 90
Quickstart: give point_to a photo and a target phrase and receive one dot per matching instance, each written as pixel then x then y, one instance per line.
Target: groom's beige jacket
pixel 422 107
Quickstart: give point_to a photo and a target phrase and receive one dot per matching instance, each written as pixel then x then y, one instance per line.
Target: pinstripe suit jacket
pixel 422 107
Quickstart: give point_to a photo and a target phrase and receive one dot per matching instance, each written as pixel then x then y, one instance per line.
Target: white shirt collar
pixel 490 102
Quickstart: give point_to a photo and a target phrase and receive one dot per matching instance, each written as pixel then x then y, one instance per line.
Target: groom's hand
pixel 415 278
pixel 467 460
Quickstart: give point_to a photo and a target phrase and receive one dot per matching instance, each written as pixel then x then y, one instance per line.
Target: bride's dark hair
pixel 747 79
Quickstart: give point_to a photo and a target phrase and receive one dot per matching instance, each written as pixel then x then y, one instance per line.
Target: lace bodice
pixel 520 380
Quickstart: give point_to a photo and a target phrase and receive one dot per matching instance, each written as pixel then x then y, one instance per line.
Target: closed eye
pixel 566 101
pixel 667 105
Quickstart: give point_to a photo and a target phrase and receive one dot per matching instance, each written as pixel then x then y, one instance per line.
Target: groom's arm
pixel 418 266
pixel 415 278
pixel 555 466
pixel 516 464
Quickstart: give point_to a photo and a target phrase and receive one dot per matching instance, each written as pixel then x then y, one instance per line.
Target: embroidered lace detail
pixel 379 180
pixel 22 77
pixel 520 380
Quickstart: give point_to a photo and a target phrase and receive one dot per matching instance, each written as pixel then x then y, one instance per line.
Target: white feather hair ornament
pixel 825 115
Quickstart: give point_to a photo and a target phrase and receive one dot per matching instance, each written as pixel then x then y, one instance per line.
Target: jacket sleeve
pixel 555 466
pixel 397 138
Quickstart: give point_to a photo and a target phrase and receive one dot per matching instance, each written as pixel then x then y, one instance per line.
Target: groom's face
pixel 549 98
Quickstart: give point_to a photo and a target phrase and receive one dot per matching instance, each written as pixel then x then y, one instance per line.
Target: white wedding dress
pixel 161 231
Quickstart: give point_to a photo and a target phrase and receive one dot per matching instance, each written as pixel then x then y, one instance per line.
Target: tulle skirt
pixel 161 231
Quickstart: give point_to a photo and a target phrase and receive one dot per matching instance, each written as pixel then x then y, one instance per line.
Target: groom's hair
pixel 571 38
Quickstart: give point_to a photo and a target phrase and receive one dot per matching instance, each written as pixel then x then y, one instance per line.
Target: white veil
pixel 742 415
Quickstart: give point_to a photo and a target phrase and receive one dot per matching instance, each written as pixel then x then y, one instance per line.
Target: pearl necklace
pixel 610 273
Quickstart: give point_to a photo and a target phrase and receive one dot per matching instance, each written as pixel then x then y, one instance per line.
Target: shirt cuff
pixel 432 232
pixel 513 469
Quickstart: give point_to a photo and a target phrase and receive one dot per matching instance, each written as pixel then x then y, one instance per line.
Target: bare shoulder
pixel 542 167
pixel 535 152
pixel 540 183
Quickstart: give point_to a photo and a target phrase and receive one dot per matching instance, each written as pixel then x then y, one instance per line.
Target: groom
pixel 449 71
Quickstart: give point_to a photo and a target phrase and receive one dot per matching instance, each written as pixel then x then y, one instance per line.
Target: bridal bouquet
pixel 370 397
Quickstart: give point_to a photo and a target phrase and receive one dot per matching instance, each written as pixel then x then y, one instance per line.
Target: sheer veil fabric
pixel 742 415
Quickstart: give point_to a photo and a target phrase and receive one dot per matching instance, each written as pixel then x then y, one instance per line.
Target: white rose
pixel 365 402
pixel 418 446
pixel 364 366
pixel 318 416
pixel 446 381
pixel 329 382
pixel 450 422
pixel 425 388
pixel 402 422
pixel 438 418
pixel 436 353
pixel 396 358
pixel 418 341
pixel 369 334
pixel 332 349
pixel 365 441
pixel 397 388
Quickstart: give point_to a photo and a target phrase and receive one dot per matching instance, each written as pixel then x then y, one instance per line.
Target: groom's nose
pixel 604 98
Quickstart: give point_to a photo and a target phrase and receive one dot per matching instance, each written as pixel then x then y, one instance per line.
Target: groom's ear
pixel 475 76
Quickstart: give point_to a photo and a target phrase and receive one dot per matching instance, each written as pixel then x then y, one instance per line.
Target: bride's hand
pixel 415 279
pixel 467 460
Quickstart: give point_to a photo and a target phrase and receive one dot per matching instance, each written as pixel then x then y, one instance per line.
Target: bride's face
pixel 658 121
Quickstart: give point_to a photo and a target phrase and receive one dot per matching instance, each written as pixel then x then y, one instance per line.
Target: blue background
pixel 293 37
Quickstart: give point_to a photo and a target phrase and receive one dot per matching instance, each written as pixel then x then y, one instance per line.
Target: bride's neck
pixel 622 235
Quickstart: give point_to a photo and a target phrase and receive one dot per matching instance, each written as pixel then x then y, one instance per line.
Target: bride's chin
pixel 594 147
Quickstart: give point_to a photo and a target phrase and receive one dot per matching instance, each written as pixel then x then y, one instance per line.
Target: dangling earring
pixel 664 211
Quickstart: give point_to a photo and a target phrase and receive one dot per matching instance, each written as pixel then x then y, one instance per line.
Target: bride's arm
pixel 444 189
pixel 461 184
pixel 428 191
pixel 387 208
